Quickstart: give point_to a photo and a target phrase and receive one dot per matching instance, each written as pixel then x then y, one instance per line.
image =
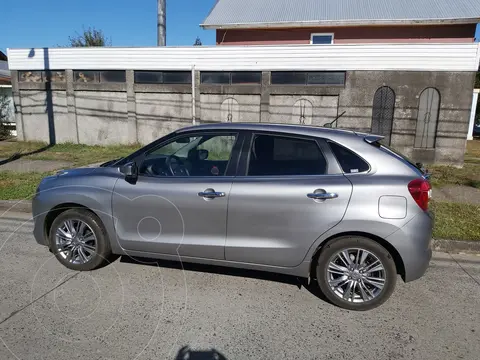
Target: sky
pixel 49 23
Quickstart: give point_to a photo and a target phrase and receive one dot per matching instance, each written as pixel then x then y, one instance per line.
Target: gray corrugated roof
pixel 324 12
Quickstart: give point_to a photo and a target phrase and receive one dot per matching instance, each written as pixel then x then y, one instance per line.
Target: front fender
pixel 95 198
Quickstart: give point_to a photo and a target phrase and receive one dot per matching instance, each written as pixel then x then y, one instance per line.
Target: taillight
pixel 421 192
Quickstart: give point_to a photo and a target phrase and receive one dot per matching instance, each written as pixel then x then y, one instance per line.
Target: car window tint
pixel 218 147
pixel 175 147
pixel 279 155
pixel 349 161
pixel 205 155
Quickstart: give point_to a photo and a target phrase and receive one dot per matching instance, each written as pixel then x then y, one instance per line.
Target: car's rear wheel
pixel 356 273
pixel 79 240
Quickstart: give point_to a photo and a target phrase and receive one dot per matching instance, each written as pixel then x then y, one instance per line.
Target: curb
pixel 454 246
pixel 24 206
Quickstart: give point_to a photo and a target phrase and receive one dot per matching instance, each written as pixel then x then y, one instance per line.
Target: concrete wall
pixel 229 108
pixel 34 111
pixel 129 113
pixel 457 33
pixel 102 118
pixel 303 109
pixel 161 113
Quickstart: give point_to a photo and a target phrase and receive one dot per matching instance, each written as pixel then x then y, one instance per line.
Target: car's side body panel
pixel 271 221
pixel 167 216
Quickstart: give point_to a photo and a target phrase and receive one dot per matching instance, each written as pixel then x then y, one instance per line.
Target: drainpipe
pixel 194 115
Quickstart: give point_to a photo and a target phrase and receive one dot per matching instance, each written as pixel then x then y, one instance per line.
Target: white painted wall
pixel 422 57
pixel 473 113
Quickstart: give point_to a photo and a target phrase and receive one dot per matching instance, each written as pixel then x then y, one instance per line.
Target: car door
pixel 170 210
pixel 288 196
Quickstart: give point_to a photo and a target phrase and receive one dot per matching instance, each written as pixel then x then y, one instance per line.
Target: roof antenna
pixel 330 124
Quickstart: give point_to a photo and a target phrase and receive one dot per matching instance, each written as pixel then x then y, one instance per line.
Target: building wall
pixel 159 113
pixel 351 35
pixel 128 113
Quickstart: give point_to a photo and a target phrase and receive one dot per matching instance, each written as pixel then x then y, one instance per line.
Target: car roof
pixel 284 128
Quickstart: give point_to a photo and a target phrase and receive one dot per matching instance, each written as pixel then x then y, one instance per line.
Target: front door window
pixel 202 155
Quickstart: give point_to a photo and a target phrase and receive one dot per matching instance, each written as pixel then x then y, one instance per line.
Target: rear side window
pixel 350 162
pixel 417 167
pixel 273 155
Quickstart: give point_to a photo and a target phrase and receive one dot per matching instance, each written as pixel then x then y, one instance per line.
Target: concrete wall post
pixel 265 97
pixel 71 108
pixel 131 101
pixel 198 105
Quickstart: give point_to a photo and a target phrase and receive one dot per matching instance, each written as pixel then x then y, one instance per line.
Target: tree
pixel 198 42
pixel 5 115
pixel 89 37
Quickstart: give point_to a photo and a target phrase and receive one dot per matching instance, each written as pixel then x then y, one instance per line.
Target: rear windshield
pixel 415 166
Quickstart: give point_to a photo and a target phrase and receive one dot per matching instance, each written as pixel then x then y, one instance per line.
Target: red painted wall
pixel 350 35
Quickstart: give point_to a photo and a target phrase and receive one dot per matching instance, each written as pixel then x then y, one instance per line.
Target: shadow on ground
pixel 17 156
pixel 298 282
pixel 186 353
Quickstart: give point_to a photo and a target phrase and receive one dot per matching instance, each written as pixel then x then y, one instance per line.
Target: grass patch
pixel 473 148
pixel 16 186
pixel 77 154
pixel 469 175
pixel 9 148
pixel 454 221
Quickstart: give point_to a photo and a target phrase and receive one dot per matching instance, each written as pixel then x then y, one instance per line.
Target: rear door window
pixel 350 162
pixel 273 155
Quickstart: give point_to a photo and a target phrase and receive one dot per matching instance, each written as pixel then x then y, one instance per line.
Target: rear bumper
pixel 413 243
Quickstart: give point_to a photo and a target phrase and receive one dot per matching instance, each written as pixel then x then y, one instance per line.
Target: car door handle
pixel 211 194
pixel 322 196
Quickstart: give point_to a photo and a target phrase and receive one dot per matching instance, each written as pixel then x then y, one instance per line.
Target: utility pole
pixel 162 23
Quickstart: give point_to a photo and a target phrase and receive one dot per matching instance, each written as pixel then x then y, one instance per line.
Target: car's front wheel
pixel 356 273
pixel 79 240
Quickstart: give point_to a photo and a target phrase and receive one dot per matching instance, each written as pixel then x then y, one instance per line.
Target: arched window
pixel 302 112
pixel 382 114
pixel 428 109
pixel 230 110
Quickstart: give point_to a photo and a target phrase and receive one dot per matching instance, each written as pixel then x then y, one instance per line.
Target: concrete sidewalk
pixel 27 165
pixel 457 193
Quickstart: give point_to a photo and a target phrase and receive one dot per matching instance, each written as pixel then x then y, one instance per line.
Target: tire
pixel 366 294
pixel 96 258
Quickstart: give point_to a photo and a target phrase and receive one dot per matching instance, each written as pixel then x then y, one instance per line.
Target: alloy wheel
pixel 356 275
pixel 76 242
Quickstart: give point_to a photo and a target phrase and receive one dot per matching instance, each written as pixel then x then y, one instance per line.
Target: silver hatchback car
pixel 331 205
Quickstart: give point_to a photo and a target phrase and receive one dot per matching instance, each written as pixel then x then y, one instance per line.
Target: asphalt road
pixel 131 310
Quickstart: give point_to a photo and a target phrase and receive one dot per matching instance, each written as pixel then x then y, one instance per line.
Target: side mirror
pixel 130 171
pixel 202 154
